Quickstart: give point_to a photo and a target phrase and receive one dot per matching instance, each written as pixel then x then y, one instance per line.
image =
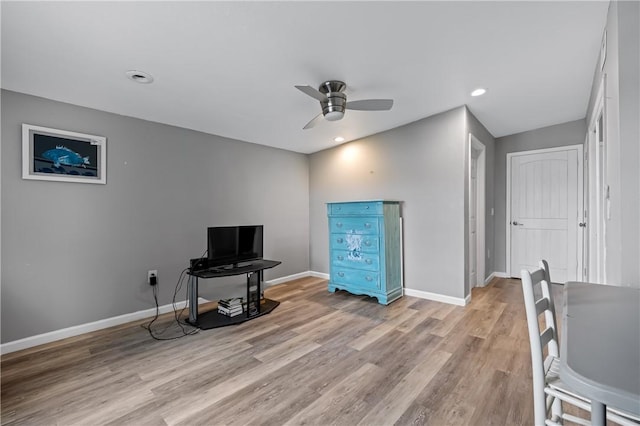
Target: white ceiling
pixel 228 68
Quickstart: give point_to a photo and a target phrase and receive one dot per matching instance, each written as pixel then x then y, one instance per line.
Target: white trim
pixel 291 277
pixel 52 336
pixel 416 293
pixel 508 194
pixel 498 275
pixel 319 275
pixel 481 182
pixel 495 275
pixel 437 297
pixel 597 182
pixel 76 330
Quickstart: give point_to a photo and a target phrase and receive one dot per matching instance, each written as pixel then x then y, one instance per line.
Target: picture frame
pixel 64 156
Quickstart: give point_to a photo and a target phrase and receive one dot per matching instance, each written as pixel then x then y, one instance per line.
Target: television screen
pixel 249 242
pixel 229 245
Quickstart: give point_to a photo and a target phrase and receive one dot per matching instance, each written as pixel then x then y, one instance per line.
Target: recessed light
pixel 338 139
pixel 139 76
pixel 479 92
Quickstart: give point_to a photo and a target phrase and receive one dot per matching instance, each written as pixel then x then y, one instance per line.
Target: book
pixel 229 310
pixel 228 303
pixel 230 313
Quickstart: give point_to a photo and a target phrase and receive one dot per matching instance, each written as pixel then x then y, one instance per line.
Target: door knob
pixel 582 224
pixel 517 224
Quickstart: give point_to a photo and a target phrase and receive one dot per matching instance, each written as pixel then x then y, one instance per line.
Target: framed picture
pixel 60 155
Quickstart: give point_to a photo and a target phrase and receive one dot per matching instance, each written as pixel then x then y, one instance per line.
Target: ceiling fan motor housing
pixel 333 108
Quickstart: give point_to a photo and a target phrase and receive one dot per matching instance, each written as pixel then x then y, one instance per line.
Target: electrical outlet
pixel 153 273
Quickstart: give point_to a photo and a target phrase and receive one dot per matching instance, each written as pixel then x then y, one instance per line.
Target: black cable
pixel 175 310
pixel 181 324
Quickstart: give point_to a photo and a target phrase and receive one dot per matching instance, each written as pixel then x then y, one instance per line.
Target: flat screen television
pixel 230 245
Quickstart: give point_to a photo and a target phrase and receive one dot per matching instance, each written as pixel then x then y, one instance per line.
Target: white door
pixel 545 208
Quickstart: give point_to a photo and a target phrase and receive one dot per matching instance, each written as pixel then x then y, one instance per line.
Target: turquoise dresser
pixel 364 249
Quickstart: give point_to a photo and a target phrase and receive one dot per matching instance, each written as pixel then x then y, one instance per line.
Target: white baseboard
pixel 416 293
pixel 40 339
pixel 319 275
pixel 496 275
pixel 492 276
pixel 52 336
pixel 292 277
pixel 438 297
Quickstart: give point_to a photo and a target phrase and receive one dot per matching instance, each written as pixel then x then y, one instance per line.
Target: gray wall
pixel 622 107
pixel 420 164
pixel 75 253
pixel 571 133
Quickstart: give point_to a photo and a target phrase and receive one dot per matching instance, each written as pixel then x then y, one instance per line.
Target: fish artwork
pixel 63 155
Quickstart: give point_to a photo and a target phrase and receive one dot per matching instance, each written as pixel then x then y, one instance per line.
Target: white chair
pixel 548 390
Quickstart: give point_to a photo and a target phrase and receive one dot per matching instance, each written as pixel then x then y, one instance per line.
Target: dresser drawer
pixel 355 259
pixel 364 243
pixel 356 278
pixel 348 225
pixel 369 207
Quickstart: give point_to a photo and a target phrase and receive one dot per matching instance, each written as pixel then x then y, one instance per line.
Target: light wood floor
pixel 319 358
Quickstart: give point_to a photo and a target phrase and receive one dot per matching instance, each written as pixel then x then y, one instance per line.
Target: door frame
pixel 481 192
pixel 580 206
pixel 596 206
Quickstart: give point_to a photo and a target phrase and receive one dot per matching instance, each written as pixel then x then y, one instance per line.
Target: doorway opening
pixel 476 214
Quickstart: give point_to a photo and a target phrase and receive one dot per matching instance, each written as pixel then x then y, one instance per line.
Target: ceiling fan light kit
pixel 333 101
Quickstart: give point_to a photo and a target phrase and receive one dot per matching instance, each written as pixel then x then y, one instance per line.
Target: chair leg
pixel 556 408
pixel 540 406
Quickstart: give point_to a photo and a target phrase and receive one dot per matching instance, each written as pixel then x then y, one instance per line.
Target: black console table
pixel 255 305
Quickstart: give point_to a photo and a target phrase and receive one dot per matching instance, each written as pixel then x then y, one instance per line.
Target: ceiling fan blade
pixel 314 93
pixel 313 121
pixel 371 105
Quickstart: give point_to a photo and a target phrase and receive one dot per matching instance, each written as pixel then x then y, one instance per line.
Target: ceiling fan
pixel 333 101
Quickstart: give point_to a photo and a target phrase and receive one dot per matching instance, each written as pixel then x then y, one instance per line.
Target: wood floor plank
pixel 319 358
pixel 382 329
pixel 235 384
pixel 340 405
pixel 396 402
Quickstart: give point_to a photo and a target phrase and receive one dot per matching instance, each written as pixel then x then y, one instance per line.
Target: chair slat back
pixel 539 340
pixel 546 336
pixel 530 280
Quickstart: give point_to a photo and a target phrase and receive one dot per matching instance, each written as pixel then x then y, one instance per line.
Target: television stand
pixel 256 306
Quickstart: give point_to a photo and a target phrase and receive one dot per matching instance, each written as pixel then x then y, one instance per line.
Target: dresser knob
pixel 341 274
pixel 368 261
pixel 367 243
pixel 367 207
pixel 340 257
pixel 367 225
pixel 340 240
pixel 339 224
pixel 369 278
